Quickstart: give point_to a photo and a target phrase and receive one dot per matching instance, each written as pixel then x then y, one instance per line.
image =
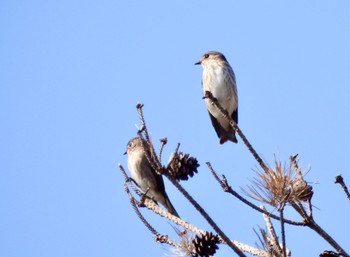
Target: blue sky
pixel 71 73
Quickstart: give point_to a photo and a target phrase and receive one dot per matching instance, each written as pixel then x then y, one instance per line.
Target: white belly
pixel 222 87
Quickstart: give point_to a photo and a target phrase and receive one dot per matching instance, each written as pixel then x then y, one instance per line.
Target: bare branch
pixel 328 253
pixel 283 234
pixel 138 213
pixel 163 141
pixel 154 161
pixel 129 180
pixel 271 230
pixel 339 180
pixel 295 164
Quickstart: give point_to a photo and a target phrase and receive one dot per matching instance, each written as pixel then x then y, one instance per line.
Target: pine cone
pixel 327 253
pixel 301 190
pixel 182 165
pixel 205 245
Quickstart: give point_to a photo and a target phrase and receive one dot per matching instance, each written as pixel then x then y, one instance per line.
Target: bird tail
pixel 233 137
pixel 228 137
pixel 170 207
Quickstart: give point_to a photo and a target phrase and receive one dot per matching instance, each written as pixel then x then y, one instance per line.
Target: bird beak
pixel 125 153
pixel 198 63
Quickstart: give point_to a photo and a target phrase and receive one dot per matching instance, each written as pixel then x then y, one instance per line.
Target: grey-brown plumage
pixel 145 176
pixel 219 78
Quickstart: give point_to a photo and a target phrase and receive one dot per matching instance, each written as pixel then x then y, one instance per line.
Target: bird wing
pixel 234 115
pixel 155 181
pixel 218 129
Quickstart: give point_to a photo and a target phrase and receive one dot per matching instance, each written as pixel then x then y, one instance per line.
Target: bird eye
pixel 206 56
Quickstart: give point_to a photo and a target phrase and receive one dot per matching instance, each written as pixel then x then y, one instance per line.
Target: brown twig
pixel 327 253
pixel 283 234
pixel 163 142
pixel 309 208
pixel 227 188
pixel 150 204
pixel 339 180
pixel 138 213
pixel 300 209
pixel 295 164
pixel 146 145
pixel 233 124
pixel 157 236
pixel 177 147
pixel 147 137
pixel 123 171
pixel 134 203
pixel 129 180
pixel 272 232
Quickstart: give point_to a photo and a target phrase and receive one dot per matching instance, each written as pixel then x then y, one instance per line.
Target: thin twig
pixel 339 180
pixel 309 208
pixel 164 239
pixel 146 145
pixel 295 164
pixel 123 171
pixel 283 235
pixel 177 147
pixel 225 186
pixel 147 137
pixel 150 204
pixel 129 180
pixel 271 230
pixel 300 209
pixel 138 213
pixel 163 142
pixel 157 236
pixel 328 253
pixel 237 129
pixel 143 124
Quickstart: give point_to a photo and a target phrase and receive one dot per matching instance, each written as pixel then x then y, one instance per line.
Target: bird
pixel 219 79
pixel 145 176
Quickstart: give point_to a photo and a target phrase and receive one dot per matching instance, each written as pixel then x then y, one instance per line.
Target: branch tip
pixel 339 179
pixel 164 140
pixel 139 105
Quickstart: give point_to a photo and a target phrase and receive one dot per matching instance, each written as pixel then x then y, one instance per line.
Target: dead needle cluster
pixel 280 185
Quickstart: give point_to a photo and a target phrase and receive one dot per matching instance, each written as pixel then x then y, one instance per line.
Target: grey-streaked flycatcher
pixel 145 176
pixel 219 78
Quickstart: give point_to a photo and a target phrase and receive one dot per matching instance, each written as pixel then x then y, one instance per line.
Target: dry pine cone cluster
pixel 205 245
pixel 182 166
pixel 302 191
